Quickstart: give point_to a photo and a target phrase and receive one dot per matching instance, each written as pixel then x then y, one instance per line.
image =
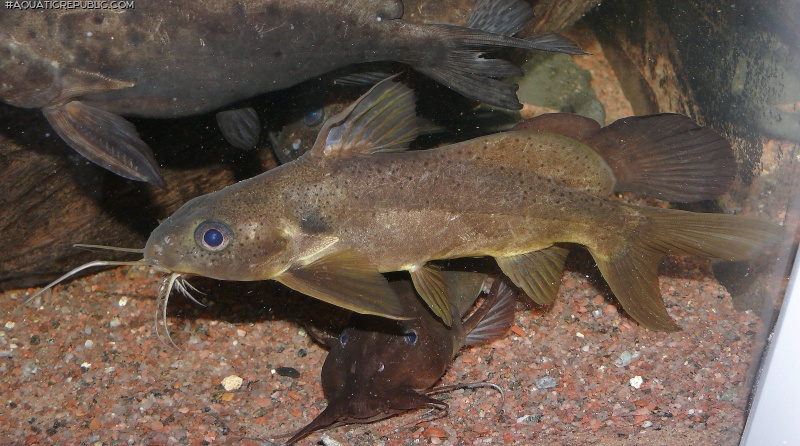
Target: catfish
pixel 378 368
pixel 86 68
pixel 358 204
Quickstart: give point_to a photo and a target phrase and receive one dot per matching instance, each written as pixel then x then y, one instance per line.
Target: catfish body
pixel 356 205
pixel 378 368
pixel 86 68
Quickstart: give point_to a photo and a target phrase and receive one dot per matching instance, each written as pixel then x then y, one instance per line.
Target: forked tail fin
pixel 463 67
pixel 631 270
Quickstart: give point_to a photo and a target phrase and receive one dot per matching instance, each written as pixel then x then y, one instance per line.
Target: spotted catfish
pixel 85 68
pixel 357 205
pixel 379 368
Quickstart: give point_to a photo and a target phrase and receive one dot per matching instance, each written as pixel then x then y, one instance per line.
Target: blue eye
pixel 213 235
pixel 410 337
pixel 343 338
pixel 314 117
pixel 213 238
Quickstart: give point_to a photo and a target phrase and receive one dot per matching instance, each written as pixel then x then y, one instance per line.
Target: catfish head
pixel 378 368
pixel 212 237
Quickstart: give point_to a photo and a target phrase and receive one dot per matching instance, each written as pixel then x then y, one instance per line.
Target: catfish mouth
pixel 173 279
pixel 179 282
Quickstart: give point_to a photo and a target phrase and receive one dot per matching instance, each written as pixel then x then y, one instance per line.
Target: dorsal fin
pixel 382 120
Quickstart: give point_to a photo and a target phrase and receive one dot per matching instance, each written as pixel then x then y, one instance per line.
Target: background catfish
pixel 87 68
pixel 379 368
pixel 357 205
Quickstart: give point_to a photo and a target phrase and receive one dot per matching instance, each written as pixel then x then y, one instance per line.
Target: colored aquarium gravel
pixel 72 375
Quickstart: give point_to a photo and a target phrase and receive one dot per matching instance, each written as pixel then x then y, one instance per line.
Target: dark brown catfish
pixel 357 204
pixel 85 68
pixel 379 368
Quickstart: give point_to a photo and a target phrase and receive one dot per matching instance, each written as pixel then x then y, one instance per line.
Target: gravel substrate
pixel 84 364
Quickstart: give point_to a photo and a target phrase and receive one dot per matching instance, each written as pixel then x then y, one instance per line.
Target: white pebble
pixel 10 325
pixel 89 343
pixel 123 301
pixel 114 323
pixel 636 381
pixel 232 382
pixel 328 441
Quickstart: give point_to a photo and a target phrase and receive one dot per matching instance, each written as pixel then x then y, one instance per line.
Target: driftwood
pixel 52 198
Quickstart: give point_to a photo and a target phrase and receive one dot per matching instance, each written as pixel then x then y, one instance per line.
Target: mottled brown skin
pixel 397 209
pixel 506 195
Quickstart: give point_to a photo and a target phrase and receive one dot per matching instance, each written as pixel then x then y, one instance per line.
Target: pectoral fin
pixel 348 280
pixel 105 139
pixel 430 284
pixel 495 316
pixel 240 127
pixel 537 273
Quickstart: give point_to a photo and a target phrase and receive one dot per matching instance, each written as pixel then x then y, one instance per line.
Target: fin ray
pixel 537 273
pixel 505 17
pixel 463 288
pixel 430 284
pixel 631 270
pixel 240 127
pixel 382 120
pixel 667 156
pixel 346 279
pixel 106 139
pixel 493 323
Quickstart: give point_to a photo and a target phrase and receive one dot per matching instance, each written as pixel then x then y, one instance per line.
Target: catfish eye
pixel 213 235
pixel 343 338
pixel 314 117
pixel 410 337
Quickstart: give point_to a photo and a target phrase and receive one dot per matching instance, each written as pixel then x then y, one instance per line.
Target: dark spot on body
pixel 99 18
pixel 277 54
pixel 311 222
pixel 32 33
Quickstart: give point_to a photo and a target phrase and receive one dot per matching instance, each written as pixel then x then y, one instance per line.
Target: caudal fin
pixel 464 68
pixel 631 270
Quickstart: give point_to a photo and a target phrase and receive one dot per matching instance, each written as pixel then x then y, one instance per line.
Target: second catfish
pixel 359 204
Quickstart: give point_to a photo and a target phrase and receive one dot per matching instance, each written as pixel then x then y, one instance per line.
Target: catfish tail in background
pixel 458 60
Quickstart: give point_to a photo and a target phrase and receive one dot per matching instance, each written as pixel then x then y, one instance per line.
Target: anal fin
pixel 537 273
pixel 105 139
pixel 348 280
pixel 240 127
pixel 430 284
pixel 633 277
